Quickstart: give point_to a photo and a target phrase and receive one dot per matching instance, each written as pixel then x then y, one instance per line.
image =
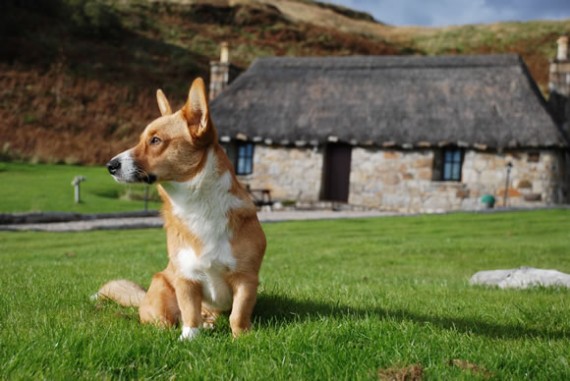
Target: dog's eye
pixel 155 140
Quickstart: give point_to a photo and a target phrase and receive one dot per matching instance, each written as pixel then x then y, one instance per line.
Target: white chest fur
pixel 203 204
pixel 210 271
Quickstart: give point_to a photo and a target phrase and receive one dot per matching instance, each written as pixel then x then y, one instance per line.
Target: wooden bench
pixel 260 197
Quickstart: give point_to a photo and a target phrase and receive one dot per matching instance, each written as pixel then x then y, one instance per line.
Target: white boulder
pixel 523 277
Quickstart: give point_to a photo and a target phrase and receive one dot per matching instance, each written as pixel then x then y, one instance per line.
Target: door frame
pixel 336 172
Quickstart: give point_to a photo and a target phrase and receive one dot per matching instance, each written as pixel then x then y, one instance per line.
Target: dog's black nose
pixel 113 166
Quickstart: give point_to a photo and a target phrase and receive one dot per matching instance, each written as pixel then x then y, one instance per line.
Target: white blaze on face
pixel 127 173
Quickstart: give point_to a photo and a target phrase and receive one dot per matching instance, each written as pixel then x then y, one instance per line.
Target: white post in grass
pixel 75 183
pixel 509 166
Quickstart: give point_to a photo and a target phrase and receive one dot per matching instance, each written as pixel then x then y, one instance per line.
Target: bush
pixel 93 18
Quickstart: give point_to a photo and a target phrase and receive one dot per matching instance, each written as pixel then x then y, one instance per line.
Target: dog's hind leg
pixel 159 305
pixel 209 317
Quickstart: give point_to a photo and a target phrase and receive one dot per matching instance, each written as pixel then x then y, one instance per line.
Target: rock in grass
pixel 523 277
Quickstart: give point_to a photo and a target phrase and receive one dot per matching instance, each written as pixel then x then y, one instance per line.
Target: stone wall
pixel 402 180
pixel 536 178
pixel 290 173
pixel 392 180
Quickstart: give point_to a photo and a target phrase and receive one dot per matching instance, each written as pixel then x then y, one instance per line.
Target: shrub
pixel 93 18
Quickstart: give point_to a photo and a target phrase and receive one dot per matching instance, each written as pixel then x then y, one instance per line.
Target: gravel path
pixel 155 222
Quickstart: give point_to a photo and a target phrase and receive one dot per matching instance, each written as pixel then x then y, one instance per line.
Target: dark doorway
pixel 336 172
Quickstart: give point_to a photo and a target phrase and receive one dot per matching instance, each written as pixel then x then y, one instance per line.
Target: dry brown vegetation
pixel 409 373
pixel 77 78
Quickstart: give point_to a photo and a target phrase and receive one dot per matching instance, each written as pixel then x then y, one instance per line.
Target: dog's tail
pixel 124 292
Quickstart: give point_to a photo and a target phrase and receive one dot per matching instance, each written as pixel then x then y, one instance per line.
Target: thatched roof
pixel 486 101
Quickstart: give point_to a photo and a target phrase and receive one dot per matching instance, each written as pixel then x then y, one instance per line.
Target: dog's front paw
pixel 189 333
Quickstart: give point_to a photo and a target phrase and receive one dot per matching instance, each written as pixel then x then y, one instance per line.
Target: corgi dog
pixel 214 239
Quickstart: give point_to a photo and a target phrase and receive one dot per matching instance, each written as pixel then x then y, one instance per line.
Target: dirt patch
pixel 412 372
pixel 471 367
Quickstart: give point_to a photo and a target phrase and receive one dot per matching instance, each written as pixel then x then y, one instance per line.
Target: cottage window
pixel 244 159
pixel 241 156
pixel 452 163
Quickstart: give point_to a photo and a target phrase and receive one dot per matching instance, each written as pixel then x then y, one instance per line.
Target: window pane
pixel 447 171
pixel 244 159
pixel 456 172
pixel 457 156
pixel 451 166
pixel 240 166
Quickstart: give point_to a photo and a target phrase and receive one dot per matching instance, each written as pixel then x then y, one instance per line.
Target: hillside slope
pixel 78 77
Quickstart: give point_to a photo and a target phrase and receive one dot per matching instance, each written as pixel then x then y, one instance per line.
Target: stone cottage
pixel 406 133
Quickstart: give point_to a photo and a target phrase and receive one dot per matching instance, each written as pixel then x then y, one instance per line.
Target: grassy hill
pixel 78 77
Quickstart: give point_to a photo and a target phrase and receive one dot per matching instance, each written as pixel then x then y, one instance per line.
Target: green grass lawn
pixel 46 187
pixel 343 300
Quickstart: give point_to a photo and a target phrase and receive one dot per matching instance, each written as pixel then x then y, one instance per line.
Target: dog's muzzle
pixel 114 166
pixel 128 172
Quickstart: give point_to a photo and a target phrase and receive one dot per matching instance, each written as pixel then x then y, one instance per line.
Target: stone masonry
pixel 292 174
pixel 403 180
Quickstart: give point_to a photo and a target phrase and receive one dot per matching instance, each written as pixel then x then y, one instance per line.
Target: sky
pixel 458 12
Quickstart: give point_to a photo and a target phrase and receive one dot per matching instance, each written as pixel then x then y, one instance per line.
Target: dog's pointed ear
pixel 196 110
pixel 163 104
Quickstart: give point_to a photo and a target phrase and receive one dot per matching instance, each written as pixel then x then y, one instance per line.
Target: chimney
pixel 225 51
pixel 562 54
pixel 559 80
pixel 559 83
pixel 220 71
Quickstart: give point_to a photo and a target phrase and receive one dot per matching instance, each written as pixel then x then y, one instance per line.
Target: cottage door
pixel 336 172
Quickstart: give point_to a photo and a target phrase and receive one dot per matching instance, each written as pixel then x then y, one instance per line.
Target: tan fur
pixel 175 148
pixel 124 292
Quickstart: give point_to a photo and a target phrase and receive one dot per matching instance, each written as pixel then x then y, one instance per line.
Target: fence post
pixel 509 166
pixel 77 180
